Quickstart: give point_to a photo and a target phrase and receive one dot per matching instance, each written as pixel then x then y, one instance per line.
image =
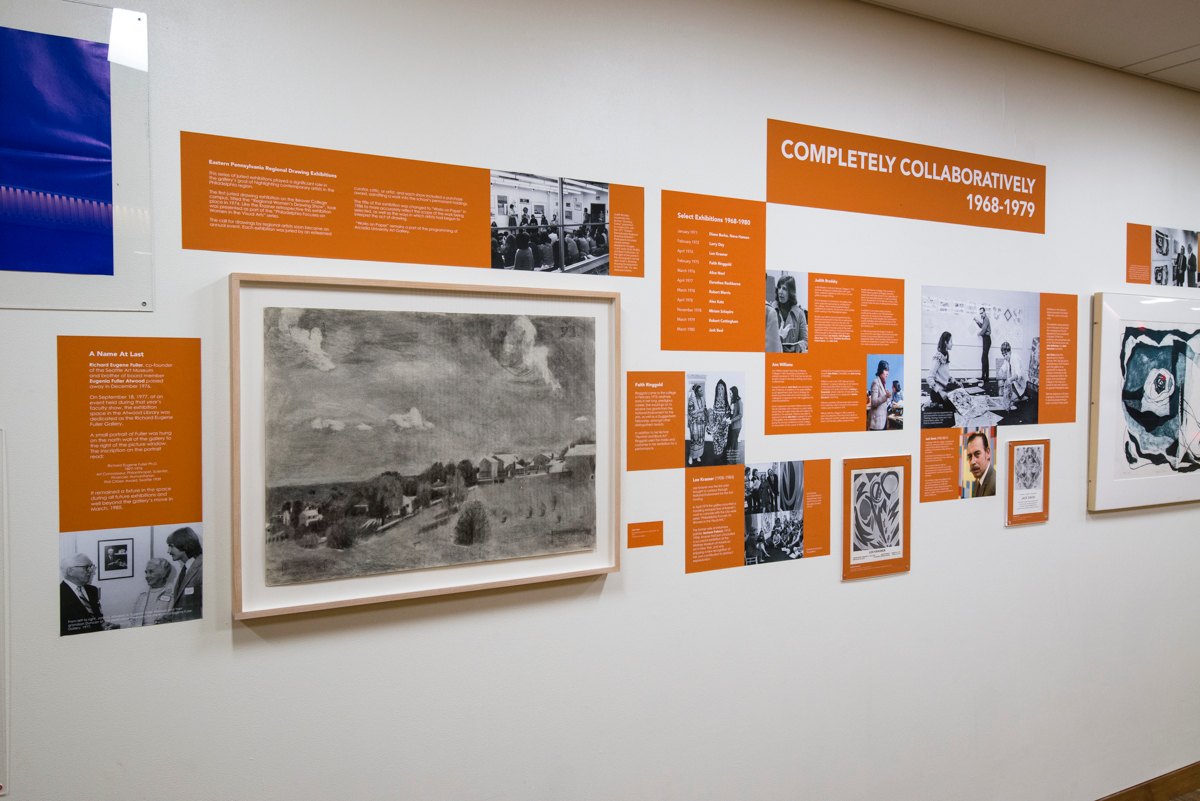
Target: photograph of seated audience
pixel 773 509
pixel 544 224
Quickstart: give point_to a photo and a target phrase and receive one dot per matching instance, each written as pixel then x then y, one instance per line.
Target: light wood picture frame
pixel 1144 443
pixel 395 440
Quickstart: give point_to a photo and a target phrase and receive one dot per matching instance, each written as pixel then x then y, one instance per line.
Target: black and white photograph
pixel 876 514
pixel 1160 402
pixel 114 559
pixel 151 575
pixel 980 357
pixel 786 313
pixel 549 224
pixel 713 408
pixel 1029 478
pixel 402 440
pixel 774 512
pixel 1173 257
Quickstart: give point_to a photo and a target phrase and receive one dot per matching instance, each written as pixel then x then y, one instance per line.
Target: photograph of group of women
pixel 980 357
pixel 1173 257
pixel 885 391
pixel 713 407
pixel 774 512
pixel 545 224
pixel 786 314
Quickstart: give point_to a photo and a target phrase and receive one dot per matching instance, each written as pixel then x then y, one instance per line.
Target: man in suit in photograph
pixel 79 601
pixel 979 457
pixel 183 545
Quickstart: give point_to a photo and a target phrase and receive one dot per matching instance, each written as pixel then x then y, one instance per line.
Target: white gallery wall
pixel 1057 661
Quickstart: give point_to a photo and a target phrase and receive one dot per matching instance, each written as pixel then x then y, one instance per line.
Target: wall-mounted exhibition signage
pixel 831 341
pixel 246 196
pixel 757 513
pixel 989 358
pixel 713 262
pixel 75 163
pixel 1028 482
pixel 828 169
pixel 128 431
pixel 876 513
pixel 1161 256
pixel 56 177
pixel 130 537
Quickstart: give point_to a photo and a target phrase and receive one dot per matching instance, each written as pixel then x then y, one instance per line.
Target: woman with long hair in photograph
pixel 720 419
pixel 697 422
pixel 789 317
pixel 735 426
pixel 940 382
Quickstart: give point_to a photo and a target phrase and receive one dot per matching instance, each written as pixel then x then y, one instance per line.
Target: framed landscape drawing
pixel 875 516
pixel 1145 427
pixel 395 440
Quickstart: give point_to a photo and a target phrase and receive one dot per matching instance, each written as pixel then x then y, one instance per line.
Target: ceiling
pixel 1158 39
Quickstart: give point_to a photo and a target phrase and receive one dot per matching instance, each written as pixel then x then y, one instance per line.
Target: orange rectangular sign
pixel 713 518
pixel 829 169
pixel 713 272
pixel 844 376
pixel 1162 256
pixel 246 196
pixel 940 457
pixel 646 535
pixel 128 431
pixel 654 430
pixel 627 229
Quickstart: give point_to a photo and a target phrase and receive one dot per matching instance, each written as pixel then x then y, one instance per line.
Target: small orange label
pixel 1137 254
pixel 713 272
pixel 646 535
pixel 128 432
pixel 940 457
pixel 654 431
pixel 828 169
pixel 715 523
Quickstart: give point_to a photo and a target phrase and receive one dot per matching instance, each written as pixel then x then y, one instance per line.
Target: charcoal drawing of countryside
pixel 401 440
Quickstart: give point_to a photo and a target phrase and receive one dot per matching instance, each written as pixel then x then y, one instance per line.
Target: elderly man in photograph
pixel 158 599
pixel 184 546
pixel 979 457
pixel 79 600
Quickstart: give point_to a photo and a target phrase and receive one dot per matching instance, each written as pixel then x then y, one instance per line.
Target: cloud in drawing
pixel 524 357
pixel 322 423
pixel 308 339
pixel 363 427
pixel 410 419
